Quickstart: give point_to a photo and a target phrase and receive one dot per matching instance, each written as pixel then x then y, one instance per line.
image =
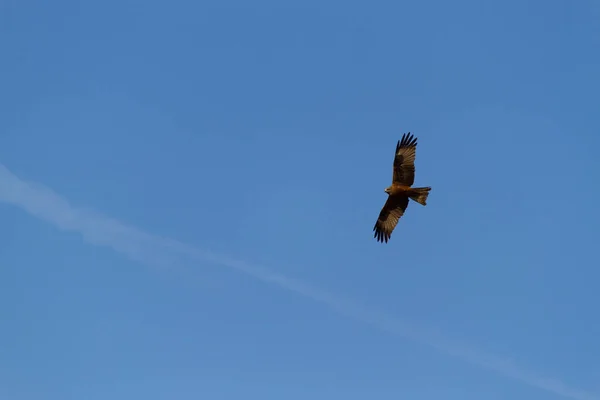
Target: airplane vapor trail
pixel 43 203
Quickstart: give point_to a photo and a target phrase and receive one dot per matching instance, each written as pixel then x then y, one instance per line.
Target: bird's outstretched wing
pixel 404 160
pixel 391 212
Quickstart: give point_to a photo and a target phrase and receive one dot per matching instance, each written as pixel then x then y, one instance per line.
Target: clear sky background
pixel 264 132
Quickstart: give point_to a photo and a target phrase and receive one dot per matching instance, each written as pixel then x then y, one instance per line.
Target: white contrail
pixel 45 204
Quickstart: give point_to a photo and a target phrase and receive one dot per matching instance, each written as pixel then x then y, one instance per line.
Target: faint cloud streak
pixel 45 204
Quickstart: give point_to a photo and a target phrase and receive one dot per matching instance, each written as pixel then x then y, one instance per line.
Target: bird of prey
pixel 400 190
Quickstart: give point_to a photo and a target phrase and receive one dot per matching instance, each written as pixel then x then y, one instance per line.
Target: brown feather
pixel 391 212
pixel 404 160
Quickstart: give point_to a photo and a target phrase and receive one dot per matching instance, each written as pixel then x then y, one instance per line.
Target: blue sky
pixel 137 136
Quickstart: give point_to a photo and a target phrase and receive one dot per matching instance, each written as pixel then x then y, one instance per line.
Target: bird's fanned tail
pixel 420 195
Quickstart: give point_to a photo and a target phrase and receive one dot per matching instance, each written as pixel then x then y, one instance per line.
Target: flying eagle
pixel 400 190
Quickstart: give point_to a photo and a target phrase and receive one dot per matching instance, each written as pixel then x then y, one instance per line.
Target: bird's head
pixel 388 190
